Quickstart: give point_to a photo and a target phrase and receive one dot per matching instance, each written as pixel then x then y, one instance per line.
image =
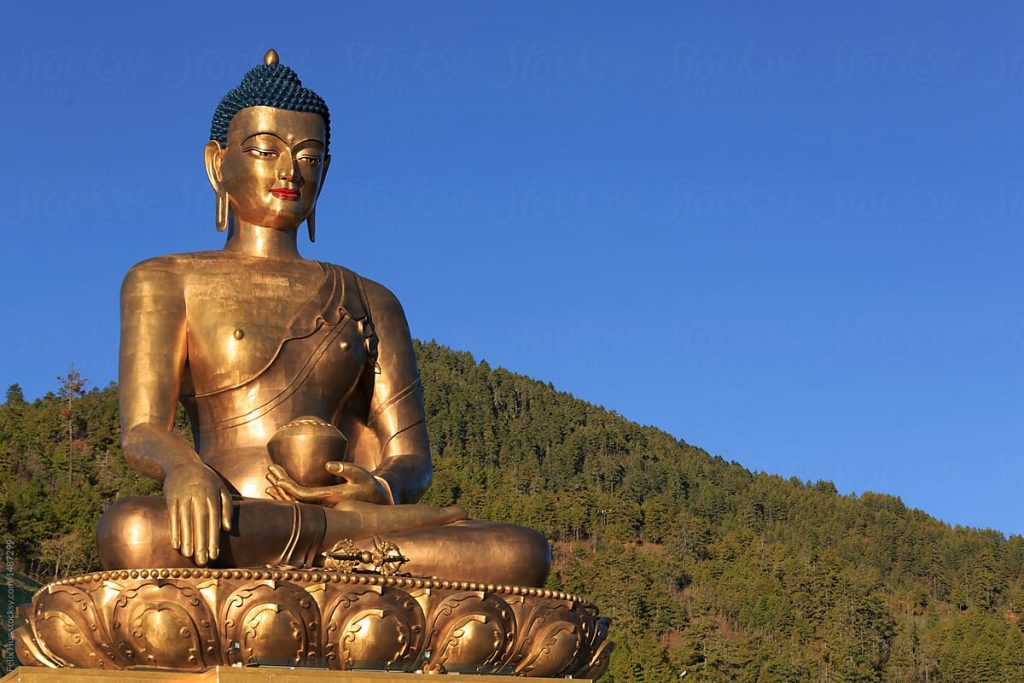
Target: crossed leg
pixel 135 533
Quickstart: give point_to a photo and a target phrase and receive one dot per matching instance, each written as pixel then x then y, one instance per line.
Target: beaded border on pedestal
pixel 317 576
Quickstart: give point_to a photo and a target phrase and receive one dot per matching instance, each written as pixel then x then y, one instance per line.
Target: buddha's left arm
pixel 396 406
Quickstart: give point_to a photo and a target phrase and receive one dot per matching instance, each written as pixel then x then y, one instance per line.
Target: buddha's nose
pixel 288 169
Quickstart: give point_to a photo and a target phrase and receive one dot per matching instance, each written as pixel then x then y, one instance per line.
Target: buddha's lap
pixel 135 533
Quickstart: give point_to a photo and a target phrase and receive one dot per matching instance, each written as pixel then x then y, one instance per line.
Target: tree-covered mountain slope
pixel 704 566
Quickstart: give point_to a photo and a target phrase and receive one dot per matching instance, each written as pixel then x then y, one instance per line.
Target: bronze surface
pixel 250 339
pixel 196 619
pixel 309 451
pixel 310 448
pixel 227 674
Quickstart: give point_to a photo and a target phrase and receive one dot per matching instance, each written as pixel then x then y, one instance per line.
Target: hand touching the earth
pixel 198 507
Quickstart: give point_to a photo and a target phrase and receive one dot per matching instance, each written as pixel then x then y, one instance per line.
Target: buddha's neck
pixel 254 240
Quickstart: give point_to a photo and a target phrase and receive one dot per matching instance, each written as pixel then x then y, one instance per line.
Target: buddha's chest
pixel 238 325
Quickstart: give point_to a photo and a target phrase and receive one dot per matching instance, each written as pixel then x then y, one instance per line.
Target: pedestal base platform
pixel 237 623
pixel 228 674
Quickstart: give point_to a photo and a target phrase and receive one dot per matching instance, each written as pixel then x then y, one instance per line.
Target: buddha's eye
pixel 312 161
pixel 261 153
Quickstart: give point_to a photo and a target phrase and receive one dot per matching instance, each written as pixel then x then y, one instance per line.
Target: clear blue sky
pixel 789 233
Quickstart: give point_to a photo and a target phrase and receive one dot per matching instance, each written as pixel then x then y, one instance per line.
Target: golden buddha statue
pixel 260 344
pixel 289 534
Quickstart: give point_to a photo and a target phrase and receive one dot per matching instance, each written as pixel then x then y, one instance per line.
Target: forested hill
pixel 703 566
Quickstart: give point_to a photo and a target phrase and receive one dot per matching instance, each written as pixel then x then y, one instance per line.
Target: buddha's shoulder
pixel 179 264
pixel 376 294
pixel 160 270
pixel 179 270
pixel 173 273
pixel 193 264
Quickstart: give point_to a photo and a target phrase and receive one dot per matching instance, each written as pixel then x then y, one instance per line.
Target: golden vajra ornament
pixel 385 558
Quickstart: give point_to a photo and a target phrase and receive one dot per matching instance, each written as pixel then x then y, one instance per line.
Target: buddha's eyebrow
pixel 273 135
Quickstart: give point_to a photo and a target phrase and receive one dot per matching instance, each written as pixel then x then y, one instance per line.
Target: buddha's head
pixel 267 154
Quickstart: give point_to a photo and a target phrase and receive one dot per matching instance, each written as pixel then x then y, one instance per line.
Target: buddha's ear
pixel 323 174
pixel 213 154
pixel 311 218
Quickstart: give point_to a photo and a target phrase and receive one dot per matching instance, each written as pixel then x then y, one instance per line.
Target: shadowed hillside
pixel 704 566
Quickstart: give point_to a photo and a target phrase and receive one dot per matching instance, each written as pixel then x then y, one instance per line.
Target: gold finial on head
pixel 270 57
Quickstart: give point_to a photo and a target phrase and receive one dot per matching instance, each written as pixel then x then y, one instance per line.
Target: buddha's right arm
pixel 152 365
pixel 152 362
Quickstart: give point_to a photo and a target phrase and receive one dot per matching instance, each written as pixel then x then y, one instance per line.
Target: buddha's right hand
pixel 198 507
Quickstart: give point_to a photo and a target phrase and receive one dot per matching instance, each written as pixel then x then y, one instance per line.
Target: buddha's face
pixel 273 165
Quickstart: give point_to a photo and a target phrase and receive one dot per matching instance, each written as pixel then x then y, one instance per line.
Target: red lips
pixel 285 193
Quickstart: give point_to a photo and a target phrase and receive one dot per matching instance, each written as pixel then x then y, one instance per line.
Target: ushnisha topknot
pixel 268 85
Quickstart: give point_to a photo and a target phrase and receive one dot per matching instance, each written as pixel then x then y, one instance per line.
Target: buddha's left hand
pixel 357 485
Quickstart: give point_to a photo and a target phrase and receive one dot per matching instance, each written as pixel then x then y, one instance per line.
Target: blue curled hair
pixel 268 85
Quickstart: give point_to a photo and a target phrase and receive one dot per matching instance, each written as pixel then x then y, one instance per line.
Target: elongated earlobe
pixel 213 156
pixel 222 211
pixel 311 220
